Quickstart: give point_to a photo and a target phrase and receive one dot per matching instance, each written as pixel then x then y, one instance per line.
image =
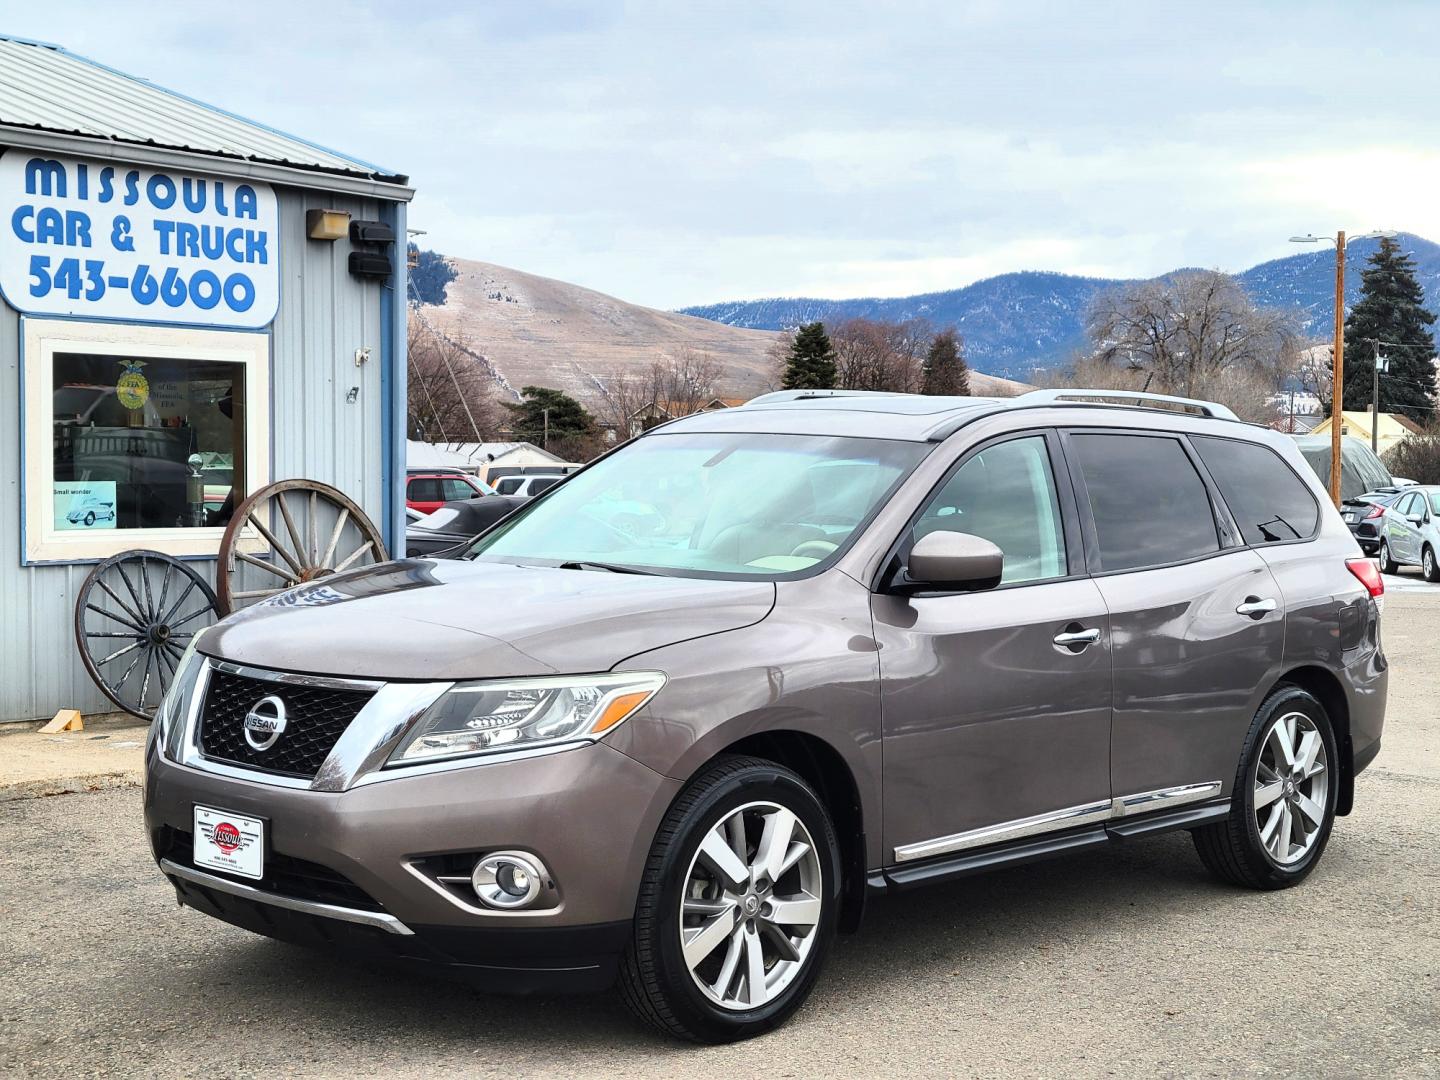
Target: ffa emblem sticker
pixel 132 388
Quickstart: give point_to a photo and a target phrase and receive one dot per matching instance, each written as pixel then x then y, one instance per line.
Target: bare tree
pixel 875 355
pixel 1191 330
pixel 451 397
pixel 681 383
pixel 1417 457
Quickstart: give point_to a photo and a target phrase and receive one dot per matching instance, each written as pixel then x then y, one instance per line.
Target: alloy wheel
pixel 750 913
pixel 1429 565
pixel 1292 786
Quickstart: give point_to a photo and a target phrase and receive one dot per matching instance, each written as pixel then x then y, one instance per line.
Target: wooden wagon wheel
pixel 135 615
pixel 312 530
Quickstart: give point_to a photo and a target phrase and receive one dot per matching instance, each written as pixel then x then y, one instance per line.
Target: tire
pixel 90 518
pixel 1428 564
pixel 1236 850
pixel 655 978
pixel 1387 564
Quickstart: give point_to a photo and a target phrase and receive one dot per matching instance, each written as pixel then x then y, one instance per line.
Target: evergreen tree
pixel 567 419
pixel 946 372
pixel 1391 310
pixel 811 364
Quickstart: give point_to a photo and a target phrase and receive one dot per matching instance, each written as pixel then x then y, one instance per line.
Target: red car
pixel 427 492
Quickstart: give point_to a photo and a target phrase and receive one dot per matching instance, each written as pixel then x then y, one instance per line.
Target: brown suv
pixel 676 719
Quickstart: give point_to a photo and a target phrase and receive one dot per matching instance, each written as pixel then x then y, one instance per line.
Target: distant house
pixel 655 413
pixel 483 460
pixel 1394 428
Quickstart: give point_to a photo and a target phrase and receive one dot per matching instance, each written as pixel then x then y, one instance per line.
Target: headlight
pixel 497 716
pixel 169 723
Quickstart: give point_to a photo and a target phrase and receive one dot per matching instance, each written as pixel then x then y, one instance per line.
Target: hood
pixel 446 619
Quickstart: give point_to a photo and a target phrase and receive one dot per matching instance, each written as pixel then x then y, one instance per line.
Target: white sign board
pixel 109 241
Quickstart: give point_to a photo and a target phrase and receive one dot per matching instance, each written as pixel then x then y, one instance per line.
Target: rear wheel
pixel 1283 806
pixel 1387 564
pixel 1428 565
pixel 737 906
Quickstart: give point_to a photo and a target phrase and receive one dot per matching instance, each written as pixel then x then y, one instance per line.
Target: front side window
pixel 456 488
pixel 1006 494
pixel 1149 505
pixel 717 505
pixel 1268 501
pixel 139 436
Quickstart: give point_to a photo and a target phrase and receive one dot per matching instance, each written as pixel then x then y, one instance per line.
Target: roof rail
pixel 778 396
pixel 1139 397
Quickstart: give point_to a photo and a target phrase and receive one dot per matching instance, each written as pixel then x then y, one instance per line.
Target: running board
pixel 1019 852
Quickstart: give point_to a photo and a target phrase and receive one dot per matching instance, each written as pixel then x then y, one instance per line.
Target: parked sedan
pixel 1411 533
pixel 456 522
pixel 1365 515
pixel 427 492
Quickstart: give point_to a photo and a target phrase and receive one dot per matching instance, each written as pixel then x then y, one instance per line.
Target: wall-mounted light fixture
pixel 327 224
pixel 371 232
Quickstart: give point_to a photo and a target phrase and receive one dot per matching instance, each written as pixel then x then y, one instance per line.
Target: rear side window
pixel 424 490
pixel 1149 504
pixel 1269 502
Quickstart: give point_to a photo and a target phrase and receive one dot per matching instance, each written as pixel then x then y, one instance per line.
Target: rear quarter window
pixel 1268 501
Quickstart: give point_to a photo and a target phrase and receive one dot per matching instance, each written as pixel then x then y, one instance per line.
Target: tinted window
pixel 1150 505
pixel 509 484
pixel 1269 502
pixel 541 483
pixel 426 490
pixel 1005 493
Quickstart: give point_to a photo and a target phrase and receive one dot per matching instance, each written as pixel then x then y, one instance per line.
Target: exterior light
pixel 327 224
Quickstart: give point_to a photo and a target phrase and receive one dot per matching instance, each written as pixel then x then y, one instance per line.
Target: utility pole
pixel 1337 390
pixel 545 434
pixel 1375 398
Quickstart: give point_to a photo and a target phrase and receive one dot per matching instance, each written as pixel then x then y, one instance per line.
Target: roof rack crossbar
pixel 778 396
pixel 1140 398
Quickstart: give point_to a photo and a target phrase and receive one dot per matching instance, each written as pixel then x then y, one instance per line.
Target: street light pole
pixel 1375 402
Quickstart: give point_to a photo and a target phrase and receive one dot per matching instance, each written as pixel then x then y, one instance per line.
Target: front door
pixel 997 703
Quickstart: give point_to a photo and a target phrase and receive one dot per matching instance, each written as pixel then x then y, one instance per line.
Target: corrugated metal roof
pixel 43 86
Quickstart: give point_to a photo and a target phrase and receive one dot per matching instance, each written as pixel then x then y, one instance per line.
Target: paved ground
pixel 108 753
pixel 1127 964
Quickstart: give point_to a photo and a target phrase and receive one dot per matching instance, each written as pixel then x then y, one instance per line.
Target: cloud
pixel 675 154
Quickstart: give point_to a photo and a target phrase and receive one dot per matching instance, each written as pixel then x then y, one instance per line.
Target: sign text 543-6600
pixel 88 238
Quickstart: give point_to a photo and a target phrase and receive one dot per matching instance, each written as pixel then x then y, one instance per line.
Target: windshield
pixel 727 505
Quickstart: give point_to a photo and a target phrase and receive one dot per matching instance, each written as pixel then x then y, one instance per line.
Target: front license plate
pixel 230 842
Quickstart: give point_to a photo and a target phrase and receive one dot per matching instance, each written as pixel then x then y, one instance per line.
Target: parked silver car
pixel 1410 529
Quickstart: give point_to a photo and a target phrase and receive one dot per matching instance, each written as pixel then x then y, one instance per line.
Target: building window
pixel 139 436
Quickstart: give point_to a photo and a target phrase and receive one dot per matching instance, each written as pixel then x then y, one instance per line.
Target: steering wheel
pixel 814 549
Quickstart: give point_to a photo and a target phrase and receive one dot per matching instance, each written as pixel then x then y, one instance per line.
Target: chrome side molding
pixel 377 919
pixel 1068 818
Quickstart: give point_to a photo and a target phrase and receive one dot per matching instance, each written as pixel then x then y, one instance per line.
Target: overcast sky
pixel 679 153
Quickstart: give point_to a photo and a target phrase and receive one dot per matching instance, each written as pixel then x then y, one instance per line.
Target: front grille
pixel 284 874
pixel 316 717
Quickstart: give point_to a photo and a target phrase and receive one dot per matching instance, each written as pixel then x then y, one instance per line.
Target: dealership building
pixel 192 301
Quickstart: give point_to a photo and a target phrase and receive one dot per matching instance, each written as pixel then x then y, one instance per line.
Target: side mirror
pixel 954 560
pixel 1414 519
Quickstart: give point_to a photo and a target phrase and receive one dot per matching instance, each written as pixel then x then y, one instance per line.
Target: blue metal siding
pixel 325 315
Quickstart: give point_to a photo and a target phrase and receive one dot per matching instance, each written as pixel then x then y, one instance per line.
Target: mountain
pixel 1016 322
pixel 530 330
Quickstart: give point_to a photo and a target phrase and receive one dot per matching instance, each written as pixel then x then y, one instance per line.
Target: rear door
pixel 1196 619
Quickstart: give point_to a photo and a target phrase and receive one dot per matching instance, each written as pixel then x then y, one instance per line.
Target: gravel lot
pixel 1127 963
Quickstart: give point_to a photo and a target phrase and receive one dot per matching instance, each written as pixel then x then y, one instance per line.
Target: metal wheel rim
pixel 751 907
pixel 294 558
pixel 136 641
pixel 1429 563
pixel 1291 788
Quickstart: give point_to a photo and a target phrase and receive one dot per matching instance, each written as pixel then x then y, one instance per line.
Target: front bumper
pixel 343 869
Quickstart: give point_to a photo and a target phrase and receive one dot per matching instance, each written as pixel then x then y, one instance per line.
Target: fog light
pixel 508 879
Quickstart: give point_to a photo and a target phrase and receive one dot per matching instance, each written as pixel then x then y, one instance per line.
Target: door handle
pixel 1073 638
pixel 1256 607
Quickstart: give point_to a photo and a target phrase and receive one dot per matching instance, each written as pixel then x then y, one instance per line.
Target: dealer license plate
pixel 230 842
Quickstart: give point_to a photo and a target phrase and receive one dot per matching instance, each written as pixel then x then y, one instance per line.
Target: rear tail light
pixel 1376 510
pixel 1368 574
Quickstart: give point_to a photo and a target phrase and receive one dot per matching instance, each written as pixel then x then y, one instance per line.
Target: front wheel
pixel 1283 805
pixel 737 905
pixel 1428 565
pixel 1387 564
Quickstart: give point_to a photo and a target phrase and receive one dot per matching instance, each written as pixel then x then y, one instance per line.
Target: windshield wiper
pixel 614 568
